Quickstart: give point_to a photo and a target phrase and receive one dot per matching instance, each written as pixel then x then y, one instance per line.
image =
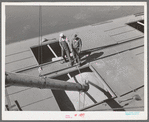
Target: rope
pixel 84 100
pixel 80 91
pixel 40 37
pixel 79 99
pixel 40 40
pixel 40 17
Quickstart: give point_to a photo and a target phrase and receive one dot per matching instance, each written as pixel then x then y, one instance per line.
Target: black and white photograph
pixel 74 61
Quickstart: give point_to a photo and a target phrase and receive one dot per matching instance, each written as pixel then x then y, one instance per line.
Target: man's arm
pixel 69 44
pixel 60 42
pixel 44 40
pixel 61 47
pixel 80 45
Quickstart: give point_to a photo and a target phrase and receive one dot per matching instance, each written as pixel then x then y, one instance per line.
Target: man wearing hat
pixel 63 42
pixel 76 45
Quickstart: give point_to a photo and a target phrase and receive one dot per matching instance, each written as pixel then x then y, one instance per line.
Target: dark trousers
pixel 76 57
pixel 67 52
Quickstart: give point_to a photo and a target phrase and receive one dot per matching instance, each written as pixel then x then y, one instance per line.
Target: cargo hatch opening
pixel 139 25
pixel 45 53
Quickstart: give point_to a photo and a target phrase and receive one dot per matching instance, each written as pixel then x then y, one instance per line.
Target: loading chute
pixel 17 79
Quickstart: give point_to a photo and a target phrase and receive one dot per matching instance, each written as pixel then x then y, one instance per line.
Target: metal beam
pixel 17 79
pixel 140 23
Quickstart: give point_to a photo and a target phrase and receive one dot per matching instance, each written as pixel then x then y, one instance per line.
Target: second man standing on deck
pixel 76 46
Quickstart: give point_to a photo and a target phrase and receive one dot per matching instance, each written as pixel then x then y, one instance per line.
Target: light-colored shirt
pixel 67 42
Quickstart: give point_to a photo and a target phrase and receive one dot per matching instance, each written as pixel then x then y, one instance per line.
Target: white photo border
pixel 54 115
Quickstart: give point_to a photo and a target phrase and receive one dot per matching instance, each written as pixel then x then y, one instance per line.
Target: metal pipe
pixel 17 79
pixel 140 23
pixel 52 51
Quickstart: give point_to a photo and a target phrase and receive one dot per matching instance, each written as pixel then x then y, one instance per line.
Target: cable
pixel 40 41
pixel 80 91
pixel 79 99
pixel 40 36
pixel 84 100
pixel 41 32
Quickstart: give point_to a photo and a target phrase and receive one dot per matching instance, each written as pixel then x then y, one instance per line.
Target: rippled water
pixel 22 22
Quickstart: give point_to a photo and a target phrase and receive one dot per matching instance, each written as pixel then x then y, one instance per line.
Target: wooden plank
pixel 54 67
pixel 130 45
pixel 136 72
pixel 134 61
pixel 118 73
pixel 16 89
pixel 19 56
pixel 45 105
pixel 126 36
pixel 21 46
pixel 34 95
pixel 21 64
pixel 95 38
pixel 138 51
pixel 141 56
pixel 122 29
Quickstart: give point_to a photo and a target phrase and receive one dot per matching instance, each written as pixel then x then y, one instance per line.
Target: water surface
pixel 22 22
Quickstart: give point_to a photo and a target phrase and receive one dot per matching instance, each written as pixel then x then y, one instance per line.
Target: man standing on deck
pixel 76 46
pixel 63 42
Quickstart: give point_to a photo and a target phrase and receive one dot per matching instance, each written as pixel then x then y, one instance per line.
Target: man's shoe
pixel 79 64
pixel 63 62
pixel 70 64
pixel 75 61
